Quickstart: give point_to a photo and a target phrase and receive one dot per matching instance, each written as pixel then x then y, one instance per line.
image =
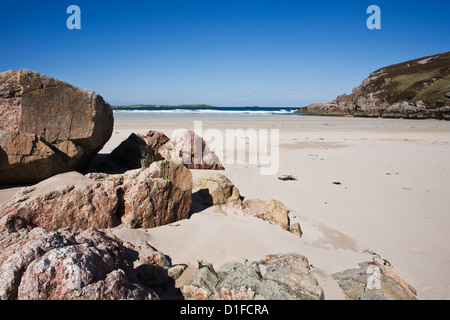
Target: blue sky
pixel 218 52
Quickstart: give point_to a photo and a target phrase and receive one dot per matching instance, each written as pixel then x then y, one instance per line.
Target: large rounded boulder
pixel 48 126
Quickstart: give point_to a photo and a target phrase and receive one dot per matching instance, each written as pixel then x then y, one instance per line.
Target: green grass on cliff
pixel 426 79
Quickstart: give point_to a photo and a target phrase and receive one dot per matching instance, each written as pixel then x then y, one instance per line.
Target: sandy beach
pixel 375 184
pixel 393 200
pixel 209 150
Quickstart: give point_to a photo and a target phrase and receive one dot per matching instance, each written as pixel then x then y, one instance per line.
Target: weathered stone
pixel 48 126
pixel 237 281
pixel 214 188
pixel 270 210
pixel 371 281
pixel 191 149
pixel 155 139
pixel 374 280
pixel 67 265
pixel 286 277
pixel 142 198
pixel 11 223
pixel 115 286
pixel 91 206
pixel 201 285
pixel 133 153
pixel 24 155
pixel 156 196
pixel 140 150
pixel 176 271
pixel 19 251
pixel 296 229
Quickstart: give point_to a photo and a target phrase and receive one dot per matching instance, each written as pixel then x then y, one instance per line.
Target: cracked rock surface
pixel 277 277
pixel 48 126
pixel 36 264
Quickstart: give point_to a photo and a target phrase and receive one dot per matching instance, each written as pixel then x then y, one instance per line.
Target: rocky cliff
pixel 416 89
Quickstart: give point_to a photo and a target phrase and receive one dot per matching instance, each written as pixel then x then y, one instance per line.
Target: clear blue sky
pixel 219 52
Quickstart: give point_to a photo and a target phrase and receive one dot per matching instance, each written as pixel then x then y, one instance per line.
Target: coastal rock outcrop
pixel 150 197
pixel 193 151
pixel 269 210
pixel 36 264
pixel 140 150
pixel 157 196
pixel 373 281
pixel 48 127
pixel 273 211
pixel 277 277
pixel 416 89
pixel 91 206
pixel 216 189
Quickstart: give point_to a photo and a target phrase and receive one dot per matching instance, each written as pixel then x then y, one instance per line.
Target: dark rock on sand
pixel 133 153
pixel 287 178
pixel 140 150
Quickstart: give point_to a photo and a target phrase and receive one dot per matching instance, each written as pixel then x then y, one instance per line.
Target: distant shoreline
pixel 138 106
pixel 151 110
pixel 181 106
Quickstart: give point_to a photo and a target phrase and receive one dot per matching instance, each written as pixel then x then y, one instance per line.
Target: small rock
pixel 192 150
pixel 175 272
pixel 215 188
pixel 270 210
pixel 370 281
pixel 287 178
pixel 296 229
pixel 201 285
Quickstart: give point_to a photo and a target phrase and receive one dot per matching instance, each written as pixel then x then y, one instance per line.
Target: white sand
pixel 393 198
